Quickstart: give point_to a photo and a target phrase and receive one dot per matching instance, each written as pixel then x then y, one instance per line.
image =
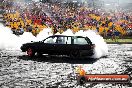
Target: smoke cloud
pixel 10 41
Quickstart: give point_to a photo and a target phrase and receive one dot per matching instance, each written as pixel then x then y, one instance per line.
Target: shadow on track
pixel 60 59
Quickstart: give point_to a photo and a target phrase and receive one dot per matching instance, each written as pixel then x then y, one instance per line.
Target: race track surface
pixel 19 71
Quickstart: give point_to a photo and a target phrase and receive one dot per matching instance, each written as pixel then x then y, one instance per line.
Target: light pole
pixel 93 4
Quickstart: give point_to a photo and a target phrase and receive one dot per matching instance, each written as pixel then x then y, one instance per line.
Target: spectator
pixel 58 18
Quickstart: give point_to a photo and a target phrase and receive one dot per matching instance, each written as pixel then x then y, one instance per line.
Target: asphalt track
pixel 19 71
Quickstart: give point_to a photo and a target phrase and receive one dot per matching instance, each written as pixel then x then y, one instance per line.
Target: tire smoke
pixel 10 41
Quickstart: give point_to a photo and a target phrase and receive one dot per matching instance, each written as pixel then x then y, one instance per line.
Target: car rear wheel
pixel 30 52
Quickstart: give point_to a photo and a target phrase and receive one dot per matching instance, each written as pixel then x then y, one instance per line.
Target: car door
pixel 47 45
pixel 63 44
pixel 82 45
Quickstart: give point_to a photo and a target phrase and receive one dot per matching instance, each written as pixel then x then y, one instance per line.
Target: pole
pixel 93 4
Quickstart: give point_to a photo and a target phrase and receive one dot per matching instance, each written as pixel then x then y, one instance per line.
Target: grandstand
pixel 20 17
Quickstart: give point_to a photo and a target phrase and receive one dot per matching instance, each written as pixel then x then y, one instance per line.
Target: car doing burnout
pixel 73 46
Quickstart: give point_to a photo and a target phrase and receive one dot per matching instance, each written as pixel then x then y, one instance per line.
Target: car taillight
pixel 93 46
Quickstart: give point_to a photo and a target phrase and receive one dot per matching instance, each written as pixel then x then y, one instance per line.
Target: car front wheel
pixel 30 52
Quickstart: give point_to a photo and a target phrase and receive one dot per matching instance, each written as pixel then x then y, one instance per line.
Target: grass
pixel 118 40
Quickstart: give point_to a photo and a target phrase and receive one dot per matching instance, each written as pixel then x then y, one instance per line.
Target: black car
pixel 73 46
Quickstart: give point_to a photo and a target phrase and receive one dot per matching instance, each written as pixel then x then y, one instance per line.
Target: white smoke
pixel 101 48
pixel 44 34
pixel 68 32
pixel 7 39
pixel 11 41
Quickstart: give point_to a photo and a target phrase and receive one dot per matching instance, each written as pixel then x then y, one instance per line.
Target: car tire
pixel 30 52
pixel 75 54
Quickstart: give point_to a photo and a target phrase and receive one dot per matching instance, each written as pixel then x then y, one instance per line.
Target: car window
pixel 80 41
pixel 64 40
pixel 68 40
pixel 61 40
pixel 51 40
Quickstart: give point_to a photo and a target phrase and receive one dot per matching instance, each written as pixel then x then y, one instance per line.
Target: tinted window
pixel 61 40
pixel 80 41
pixel 51 40
pixel 64 40
pixel 68 40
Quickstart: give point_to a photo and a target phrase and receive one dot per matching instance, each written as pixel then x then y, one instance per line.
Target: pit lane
pixel 19 71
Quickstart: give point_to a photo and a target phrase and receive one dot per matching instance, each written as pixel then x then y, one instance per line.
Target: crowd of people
pixel 35 16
